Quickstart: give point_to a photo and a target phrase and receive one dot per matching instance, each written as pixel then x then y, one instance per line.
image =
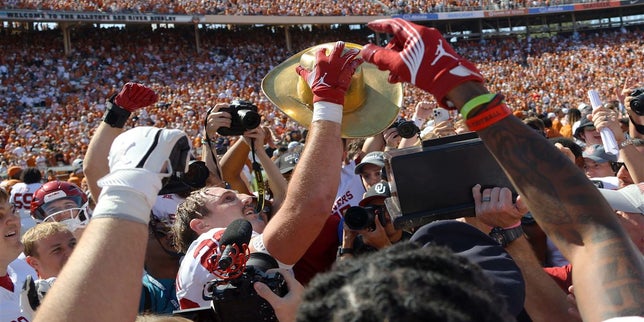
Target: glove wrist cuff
pixel 140 181
pixel 122 203
pixel 115 115
pixel 327 111
pixel 449 78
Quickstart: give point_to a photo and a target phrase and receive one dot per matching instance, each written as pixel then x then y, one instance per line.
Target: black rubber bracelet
pixel 342 251
pixel 115 115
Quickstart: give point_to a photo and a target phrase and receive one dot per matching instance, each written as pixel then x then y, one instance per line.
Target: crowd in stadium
pixel 239 227
pixel 37 79
pixel 279 8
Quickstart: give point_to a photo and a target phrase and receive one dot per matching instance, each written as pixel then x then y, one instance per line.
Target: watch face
pixel 498 238
pixel 497 235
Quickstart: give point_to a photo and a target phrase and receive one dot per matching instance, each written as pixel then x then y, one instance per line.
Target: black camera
pixel 237 300
pixel 243 115
pixel 359 218
pixel 637 103
pixel 406 129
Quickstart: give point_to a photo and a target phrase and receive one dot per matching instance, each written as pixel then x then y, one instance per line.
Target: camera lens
pixel 249 119
pixel 358 218
pixel 636 103
pixel 407 129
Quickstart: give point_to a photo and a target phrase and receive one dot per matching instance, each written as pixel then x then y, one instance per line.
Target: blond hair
pixel 39 232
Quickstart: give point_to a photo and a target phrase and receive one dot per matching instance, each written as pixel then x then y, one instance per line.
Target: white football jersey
pixel 10 308
pixel 350 190
pixel 21 195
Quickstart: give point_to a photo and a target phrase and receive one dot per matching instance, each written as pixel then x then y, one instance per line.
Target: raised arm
pixel 315 179
pixel 108 266
pixel 276 180
pixel 119 108
pixel 608 270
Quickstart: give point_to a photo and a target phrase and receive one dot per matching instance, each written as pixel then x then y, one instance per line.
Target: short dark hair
pixel 31 175
pixel 404 282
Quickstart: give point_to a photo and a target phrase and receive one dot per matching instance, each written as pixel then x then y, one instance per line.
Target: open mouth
pixel 10 234
pixel 248 211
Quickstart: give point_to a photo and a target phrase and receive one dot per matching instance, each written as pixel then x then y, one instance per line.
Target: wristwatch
pixel 342 251
pixel 626 143
pixel 505 236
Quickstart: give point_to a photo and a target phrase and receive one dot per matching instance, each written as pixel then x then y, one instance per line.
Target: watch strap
pixel 506 236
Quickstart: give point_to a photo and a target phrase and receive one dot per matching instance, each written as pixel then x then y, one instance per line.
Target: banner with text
pixel 59 16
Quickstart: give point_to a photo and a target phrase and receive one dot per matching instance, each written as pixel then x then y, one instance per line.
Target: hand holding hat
pixel 421 56
pixel 331 75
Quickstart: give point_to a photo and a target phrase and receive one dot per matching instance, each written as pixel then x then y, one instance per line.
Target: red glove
pixel 330 78
pixel 134 96
pixel 421 56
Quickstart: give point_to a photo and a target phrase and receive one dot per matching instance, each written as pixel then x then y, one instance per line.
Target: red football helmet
pixel 43 207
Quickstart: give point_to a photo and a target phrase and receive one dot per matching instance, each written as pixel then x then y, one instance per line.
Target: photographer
pixel 369 227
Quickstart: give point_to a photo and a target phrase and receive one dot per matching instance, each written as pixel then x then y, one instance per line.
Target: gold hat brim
pixel 379 110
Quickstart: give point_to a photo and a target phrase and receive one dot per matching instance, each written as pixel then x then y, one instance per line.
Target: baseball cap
pixel 287 161
pixel 375 158
pixel 469 242
pixel 627 199
pixel 378 190
pixel 597 153
pixel 583 123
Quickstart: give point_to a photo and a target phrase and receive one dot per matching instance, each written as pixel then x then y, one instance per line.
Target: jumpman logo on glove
pixel 440 52
pixel 321 81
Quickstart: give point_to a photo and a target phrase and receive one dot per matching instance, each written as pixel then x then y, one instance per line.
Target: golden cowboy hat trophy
pixel 370 105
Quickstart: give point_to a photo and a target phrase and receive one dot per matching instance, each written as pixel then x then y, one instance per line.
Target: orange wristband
pixel 487 117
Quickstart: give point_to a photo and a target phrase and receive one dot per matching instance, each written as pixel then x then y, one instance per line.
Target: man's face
pixel 224 207
pixel 633 223
pixel 10 244
pixel 591 136
pixel 597 170
pixel 53 252
pixel 370 174
pixel 59 205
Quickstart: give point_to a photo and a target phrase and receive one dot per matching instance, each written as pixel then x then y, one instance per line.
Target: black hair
pixel 566 142
pixel 31 175
pixel 403 282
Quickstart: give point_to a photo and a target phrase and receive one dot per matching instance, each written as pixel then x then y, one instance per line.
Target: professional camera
pixel 406 129
pixel 243 115
pixel 637 103
pixel 359 218
pixel 237 300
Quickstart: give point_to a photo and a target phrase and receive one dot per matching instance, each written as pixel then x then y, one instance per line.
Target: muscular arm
pixel 608 269
pixel 309 196
pixel 86 286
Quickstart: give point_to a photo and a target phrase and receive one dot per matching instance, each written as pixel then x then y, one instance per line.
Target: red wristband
pixel 487 117
pixel 513 226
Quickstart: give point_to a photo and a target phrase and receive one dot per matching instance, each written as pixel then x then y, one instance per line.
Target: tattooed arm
pixel 608 270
